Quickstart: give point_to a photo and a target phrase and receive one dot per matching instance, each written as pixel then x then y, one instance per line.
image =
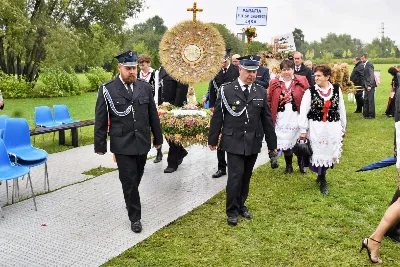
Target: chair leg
pixel 44 146
pixel 7 190
pixel 33 194
pixel 1 213
pixel 12 192
pixel 46 178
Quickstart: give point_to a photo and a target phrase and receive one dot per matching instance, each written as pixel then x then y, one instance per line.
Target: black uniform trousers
pixel 359 100
pixel 369 103
pixel 221 160
pixel 131 168
pixel 240 168
pixel 175 154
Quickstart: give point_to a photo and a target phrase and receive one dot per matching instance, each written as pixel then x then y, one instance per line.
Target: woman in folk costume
pixel 323 121
pixel 150 75
pixel 284 96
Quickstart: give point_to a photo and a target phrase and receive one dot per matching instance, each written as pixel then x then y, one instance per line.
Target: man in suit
pixel 228 73
pixel 129 104
pixel 369 88
pixel 357 77
pixel 262 77
pixel 300 68
pixel 235 60
pixel 174 93
pixel 240 109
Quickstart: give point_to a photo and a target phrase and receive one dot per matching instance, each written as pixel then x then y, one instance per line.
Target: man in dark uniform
pixel 300 68
pixel 174 93
pixel 238 112
pixel 262 77
pixel 357 77
pixel 129 104
pixel 228 73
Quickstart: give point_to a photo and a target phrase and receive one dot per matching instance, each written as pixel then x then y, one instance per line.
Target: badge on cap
pixel 233 108
pixel 251 57
pixel 237 102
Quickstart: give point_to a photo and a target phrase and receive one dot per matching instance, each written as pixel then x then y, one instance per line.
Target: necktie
pixel 297 68
pixel 246 91
pixel 224 70
pixel 129 88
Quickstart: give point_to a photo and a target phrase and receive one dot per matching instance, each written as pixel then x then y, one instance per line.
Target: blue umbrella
pixel 380 164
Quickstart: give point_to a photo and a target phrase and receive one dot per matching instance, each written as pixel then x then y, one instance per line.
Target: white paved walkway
pixel 86 224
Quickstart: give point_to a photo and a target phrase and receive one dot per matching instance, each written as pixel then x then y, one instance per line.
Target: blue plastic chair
pixel 61 114
pixel 2 124
pixel 11 172
pixel 18 143
pixel 44 118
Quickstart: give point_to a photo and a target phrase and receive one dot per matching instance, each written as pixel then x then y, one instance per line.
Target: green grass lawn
pixel 293 225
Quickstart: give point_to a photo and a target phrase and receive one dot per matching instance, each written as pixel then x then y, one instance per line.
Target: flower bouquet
pixel 250 33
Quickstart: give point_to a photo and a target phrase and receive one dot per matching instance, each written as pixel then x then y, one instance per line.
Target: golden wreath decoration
pixel 192 53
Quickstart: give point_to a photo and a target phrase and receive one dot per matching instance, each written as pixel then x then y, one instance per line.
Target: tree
pixel 310 54
pixel 154 24
pixel 298 37
pixel 27 28
pixel 237 46
pixel 256 47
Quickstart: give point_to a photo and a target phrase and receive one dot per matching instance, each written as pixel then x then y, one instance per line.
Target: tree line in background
pixel 56 38
pixel 342 46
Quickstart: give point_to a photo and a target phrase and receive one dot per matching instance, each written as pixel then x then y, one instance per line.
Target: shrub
pixel 97 76
pixel 57 82
pixel 12 87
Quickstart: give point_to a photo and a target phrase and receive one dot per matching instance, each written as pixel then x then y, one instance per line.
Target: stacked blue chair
pixel 10 172
pixel 2 124
pixel 17 140
pixel 44 118
pixel 61 114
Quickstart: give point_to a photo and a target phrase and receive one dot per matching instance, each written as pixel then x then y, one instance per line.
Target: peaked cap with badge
pixel 250 62
pixel 128 58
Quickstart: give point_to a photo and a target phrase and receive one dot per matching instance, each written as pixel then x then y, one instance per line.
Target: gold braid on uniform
pixel 110 101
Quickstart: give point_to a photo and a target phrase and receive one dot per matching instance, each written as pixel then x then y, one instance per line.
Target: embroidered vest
pixel 281 106
pixel 316 112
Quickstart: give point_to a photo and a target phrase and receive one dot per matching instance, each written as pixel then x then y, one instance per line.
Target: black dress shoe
pixel 136 226
pixel 247 214
pixel 169 170
pixel 232 221
pixel 219 173
pixel 181 160
pixel 159 156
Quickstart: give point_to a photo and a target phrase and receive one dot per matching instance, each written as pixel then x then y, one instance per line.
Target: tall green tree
pixel 231 41
pixel 27 27
pixel 298 37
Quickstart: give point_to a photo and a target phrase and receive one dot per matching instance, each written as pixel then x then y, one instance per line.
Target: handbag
pixel 302 148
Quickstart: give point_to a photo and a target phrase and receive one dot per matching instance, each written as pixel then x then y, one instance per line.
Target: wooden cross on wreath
pixel 195 10
pixel 276 46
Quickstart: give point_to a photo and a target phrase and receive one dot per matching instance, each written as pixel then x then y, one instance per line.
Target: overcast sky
pixel 316 18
